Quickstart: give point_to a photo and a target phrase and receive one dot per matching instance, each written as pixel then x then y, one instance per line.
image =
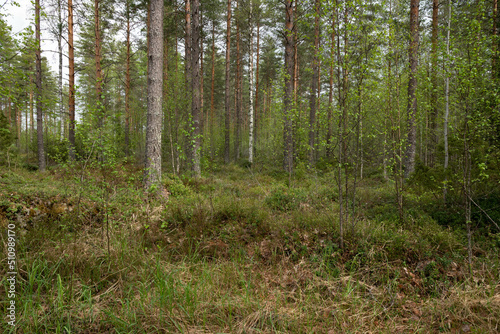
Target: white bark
pixel 250 113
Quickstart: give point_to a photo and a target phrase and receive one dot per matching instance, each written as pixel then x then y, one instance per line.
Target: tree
pixel 71 100
pixel 227 113
pixel 38 82
pixel 251 88
pixel 412 88
pixel 195 84
pixel 288 98
pixel 152 176
pixel 314 84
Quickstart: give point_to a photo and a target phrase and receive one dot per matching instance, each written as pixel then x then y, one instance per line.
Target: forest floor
pixel 237 251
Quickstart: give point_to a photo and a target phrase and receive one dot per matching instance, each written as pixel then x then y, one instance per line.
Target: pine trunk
pixel 152 177
pixel 195 86
pixel 71 95
pixel 227 114
pixel 313 102
pixel 289 87
pixel 412 89
pixel 38 83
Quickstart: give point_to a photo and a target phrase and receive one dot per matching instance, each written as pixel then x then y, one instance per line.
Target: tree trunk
pixel 60 54
pixel 38 83
pixel 289 74
pixel 330 93
pixel 251 111
pixel 212 89
pixel 127 85
pixel 227 114
pixel 98 69
pixel 196 89
pixel 447 106
pixel 257 115
pixel 71 95
pixel 494 47
pixel 412 88
pixel 152 177
pixel 434 95
pixel 314 85
pixel 238 88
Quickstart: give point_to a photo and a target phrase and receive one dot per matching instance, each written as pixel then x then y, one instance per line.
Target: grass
pixel 236 252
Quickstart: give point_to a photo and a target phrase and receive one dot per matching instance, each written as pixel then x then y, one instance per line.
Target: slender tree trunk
pixel 447 105
pixel 202 102
pixel 257 115
pixel 187 64
pixel 71 98
pixel 238 88
pixel 38 83
pixel 251 102
pixel 227 113
pixel 152 172
pixel 212 96
pixel 127 85
pixel 494 47
pixel 60 54
pixel 18 126
pixel 330 93
pixel 412 88
pixel 196 89
pixel 98 69
pixel 289 74
pixel 314 85
pixel 434 95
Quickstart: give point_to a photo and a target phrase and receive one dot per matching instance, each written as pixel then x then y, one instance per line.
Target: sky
pixel 20 17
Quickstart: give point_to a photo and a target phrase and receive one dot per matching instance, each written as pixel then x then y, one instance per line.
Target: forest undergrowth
pixel 239 251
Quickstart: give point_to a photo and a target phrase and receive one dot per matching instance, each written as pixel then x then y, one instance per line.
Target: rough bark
pixel 289 74
pixel 313 101
pixel 97 57
pixel 257 115
pixel 447 102
pixel 127 85
pixel 251 111
pixel 412 88
pixel 195 85
pixel 152 172
pixel 212 96
pixel 434 95
pixel 330 92
pixel 494 47
pixel 38 83
pixel 227 114
pixel 71 99
pixel 60 83
pixel 239 79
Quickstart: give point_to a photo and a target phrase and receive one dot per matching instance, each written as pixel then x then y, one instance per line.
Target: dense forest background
pixel 347 133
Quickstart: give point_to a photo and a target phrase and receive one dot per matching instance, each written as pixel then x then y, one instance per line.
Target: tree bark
pixel 330 93
pixel 251 111
pixel 238 88
pixel 227 114
pixel 196 89
pixel 289 87
pixel 494 47
pixel 314 85
pixel 212 96
pixel 257 115
pixel 412 88
pixel 98 69
pixel 447 105
pixel 127 85
pixel 152 172
pixel 434 95
pixel 38 83
pixel 71 99
pixel 60 54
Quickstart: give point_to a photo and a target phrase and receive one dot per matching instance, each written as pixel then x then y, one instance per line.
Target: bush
pixel 286 199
